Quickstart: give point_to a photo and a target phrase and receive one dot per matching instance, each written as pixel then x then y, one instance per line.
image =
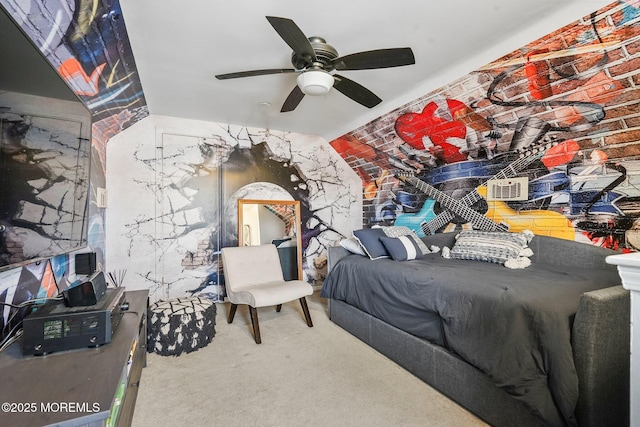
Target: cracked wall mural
pixel 173 241
pixel 180 181
pixel 544 138
pixel 44 180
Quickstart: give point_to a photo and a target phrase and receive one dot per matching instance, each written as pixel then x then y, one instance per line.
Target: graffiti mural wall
pixel 87 42
pixel 544 138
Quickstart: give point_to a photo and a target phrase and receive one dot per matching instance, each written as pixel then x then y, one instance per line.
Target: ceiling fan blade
pixel 379 58
pixel 292 101
pixel 356 91
pixel 293 36
pixel 254 73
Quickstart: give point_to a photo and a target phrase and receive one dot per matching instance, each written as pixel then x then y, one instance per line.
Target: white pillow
pixel 352 245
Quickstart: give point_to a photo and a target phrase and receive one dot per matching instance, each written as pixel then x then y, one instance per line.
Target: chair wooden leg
pixel 278 308
pixel 305 310
pixel 254 321
pixel 232 312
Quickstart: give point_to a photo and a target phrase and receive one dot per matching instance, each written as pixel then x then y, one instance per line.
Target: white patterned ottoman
pixel 180 325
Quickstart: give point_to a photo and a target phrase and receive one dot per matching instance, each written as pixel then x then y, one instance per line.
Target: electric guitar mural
pixel 499 215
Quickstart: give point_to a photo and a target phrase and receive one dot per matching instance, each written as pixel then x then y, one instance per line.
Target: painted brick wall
pixel 577 88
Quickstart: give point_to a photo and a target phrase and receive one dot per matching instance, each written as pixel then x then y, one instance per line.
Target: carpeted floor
pixel 298 376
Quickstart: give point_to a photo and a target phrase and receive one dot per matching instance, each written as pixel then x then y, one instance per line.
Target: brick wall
pixel 579 84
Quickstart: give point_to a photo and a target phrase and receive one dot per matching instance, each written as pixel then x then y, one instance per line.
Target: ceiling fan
pixel 314 59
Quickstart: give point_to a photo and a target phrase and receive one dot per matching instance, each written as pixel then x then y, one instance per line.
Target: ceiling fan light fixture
pixel 315 82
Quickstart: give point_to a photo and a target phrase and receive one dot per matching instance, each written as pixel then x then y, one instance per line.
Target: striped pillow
pixel 491 246
pixel 403 230
pixel 403 248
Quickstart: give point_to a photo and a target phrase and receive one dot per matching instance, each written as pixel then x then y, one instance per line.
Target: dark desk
pixel 84 387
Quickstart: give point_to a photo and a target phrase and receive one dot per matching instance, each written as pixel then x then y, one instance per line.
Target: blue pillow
pixel 369 239
pixel 403 248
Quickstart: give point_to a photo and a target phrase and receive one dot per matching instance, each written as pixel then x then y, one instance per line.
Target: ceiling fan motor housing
pixel 325 54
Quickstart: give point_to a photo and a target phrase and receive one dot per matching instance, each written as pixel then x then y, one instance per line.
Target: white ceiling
pixel 179 47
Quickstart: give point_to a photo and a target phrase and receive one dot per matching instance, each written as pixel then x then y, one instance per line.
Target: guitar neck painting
pixel 477 219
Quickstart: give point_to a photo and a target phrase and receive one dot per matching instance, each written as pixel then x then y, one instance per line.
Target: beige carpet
pixel 298 376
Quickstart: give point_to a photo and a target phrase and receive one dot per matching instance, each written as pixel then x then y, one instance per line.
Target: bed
pixel 505 343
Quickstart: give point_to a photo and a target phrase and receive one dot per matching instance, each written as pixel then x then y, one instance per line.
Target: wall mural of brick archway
pixel 561 112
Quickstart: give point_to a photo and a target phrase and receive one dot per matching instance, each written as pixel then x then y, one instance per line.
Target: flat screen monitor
pixel 45 155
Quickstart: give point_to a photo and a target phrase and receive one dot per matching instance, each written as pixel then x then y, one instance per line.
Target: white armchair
pixel 253 276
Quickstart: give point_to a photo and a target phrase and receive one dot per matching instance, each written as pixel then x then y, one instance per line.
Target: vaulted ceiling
pixel 180 46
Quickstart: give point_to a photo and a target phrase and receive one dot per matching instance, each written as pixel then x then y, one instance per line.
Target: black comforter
pixel 514 325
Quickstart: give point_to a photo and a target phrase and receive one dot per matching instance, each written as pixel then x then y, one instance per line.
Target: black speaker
pixel 87 292
pixel 86 263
